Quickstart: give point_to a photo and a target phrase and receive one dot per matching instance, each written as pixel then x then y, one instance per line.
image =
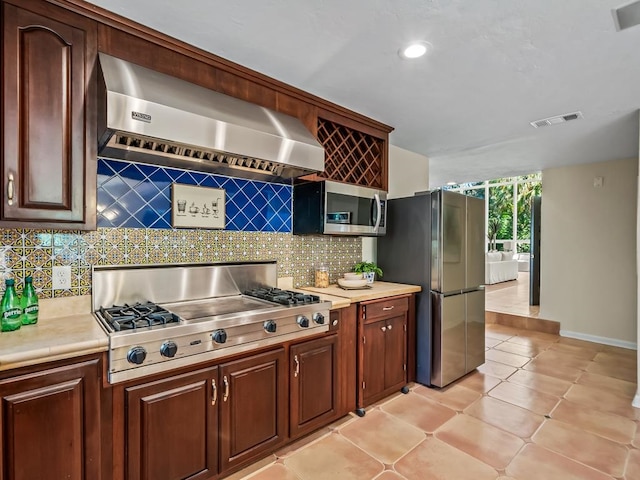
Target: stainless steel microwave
pixel 335 208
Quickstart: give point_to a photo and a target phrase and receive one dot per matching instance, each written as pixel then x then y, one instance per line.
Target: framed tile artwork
pixel 197 207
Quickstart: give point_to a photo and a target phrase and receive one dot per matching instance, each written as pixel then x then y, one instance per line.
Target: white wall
pixel 408 174
pixel 588 251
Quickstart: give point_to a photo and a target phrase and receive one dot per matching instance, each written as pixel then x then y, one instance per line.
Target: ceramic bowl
pixel 352 276
pixel 343 282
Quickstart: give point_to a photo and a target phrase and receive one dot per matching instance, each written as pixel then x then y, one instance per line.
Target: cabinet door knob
pixel 384 329
pixel 10 189
pixel 214 392
pixel 386 309
pixel 389 327
pixel 297 362
pixel 225 396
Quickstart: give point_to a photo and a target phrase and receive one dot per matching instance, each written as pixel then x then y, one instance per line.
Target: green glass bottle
pixel 10 308
pixel 29 303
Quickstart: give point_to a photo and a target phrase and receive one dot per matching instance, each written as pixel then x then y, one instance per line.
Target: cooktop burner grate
pixel 283 297
pixel 138 315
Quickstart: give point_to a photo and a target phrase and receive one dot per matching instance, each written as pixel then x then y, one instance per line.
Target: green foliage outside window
pixel 501 205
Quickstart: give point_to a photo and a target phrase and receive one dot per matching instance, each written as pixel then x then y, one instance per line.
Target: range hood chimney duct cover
pixel 159 119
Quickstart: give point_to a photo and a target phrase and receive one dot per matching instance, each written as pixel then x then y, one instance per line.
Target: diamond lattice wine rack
pixel 351 156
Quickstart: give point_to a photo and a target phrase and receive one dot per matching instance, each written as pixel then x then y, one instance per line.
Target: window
pixel 509 200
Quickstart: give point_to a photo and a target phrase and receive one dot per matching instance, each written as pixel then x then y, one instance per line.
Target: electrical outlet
pixel 61 277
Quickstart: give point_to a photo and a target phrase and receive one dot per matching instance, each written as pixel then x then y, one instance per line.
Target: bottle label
pixel 12 313
pixel 31 309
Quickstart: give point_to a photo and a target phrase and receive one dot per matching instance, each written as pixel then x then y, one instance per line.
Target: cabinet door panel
pixel 373 359
pixel 394 352
pixel 252 415
pixel 172 428
pixel 49 117
pixel 33 429
pixel 313 384
pixel 50 423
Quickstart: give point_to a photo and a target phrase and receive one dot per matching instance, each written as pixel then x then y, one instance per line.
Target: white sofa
pixel 500 267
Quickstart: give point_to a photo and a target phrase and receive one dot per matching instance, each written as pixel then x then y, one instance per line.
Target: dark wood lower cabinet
pixel 313 384
pixel 172 428
pixel 253 407
pixel 50 423
pixel 197 425
pixel 382 357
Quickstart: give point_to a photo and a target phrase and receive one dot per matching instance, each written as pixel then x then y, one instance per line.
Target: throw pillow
pixel 494 256
pixel 508 255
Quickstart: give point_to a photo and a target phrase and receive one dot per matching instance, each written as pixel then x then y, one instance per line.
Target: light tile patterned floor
pixel 511 297
pixel 544 408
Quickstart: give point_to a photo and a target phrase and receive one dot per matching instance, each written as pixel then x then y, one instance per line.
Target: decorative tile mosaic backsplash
pixel 135 195
pixel 35 252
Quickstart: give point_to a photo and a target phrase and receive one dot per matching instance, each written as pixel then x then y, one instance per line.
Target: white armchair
pixel 523 262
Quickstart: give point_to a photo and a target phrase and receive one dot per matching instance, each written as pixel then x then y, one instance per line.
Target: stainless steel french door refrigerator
pixel 436 240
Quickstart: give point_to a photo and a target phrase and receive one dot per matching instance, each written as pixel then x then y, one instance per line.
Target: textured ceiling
pixel 494 66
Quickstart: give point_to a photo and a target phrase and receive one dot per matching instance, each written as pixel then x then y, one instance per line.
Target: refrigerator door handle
pixel 376 196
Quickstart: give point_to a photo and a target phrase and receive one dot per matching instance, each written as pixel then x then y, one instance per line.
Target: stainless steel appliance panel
pixel 161 119
pixel 335 208
pixel 449 346
pixel 475 243
pixel 449 218
pixel 475 329
pixel 404 256
pixel 177 283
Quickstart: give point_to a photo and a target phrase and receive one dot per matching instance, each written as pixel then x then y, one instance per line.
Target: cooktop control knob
pixel 303 321
pixel 318 318
pixel 169 349
pixel 270 326
pixel 219 336
pixel 136 355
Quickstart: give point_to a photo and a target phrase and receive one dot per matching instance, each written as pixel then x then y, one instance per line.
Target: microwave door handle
pixel 378 212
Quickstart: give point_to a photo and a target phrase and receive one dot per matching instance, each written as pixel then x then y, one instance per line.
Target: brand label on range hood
pixel 142 117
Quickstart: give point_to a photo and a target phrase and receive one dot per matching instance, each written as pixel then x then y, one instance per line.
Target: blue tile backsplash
pixel 134 195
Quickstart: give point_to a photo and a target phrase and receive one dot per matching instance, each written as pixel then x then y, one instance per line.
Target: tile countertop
pixel 378 290
pixel 64 330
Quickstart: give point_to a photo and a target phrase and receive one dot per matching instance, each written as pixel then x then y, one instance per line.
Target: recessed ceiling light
pixel 414 50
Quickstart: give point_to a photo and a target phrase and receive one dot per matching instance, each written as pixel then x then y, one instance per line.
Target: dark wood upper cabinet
pixel 49 117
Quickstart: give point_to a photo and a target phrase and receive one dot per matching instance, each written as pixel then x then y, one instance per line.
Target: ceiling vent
pixel 626 16
pixel 558 119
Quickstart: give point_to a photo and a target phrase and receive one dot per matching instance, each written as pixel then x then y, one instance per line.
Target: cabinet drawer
pixel 385 308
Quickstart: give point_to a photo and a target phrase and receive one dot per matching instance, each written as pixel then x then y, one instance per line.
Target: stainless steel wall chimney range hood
pixel 155 118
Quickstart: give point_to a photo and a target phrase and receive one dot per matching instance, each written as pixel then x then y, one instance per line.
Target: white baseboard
pixel 604 340
pixel 636 400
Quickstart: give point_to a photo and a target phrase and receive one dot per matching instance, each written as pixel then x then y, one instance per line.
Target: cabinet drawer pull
pixel 297 362
pixel 386 309
pixel 389 327
pixel 214 392
pixel 225 397
pixel 384 329
pixel 10 189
